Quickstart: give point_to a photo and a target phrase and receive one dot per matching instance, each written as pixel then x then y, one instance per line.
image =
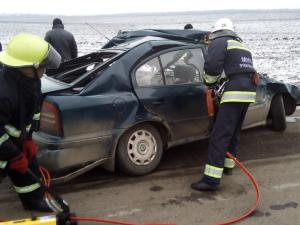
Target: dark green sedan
pixel 121 107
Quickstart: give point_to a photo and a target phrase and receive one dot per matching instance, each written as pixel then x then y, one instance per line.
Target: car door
pixel 170 86
pixel 258 111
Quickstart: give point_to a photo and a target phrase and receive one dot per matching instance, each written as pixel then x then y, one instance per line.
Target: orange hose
pixel 46 176
pixel 255 185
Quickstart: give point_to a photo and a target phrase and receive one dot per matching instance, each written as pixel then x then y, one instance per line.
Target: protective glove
pixel 210 86
pixel 29 148
pixel 19 163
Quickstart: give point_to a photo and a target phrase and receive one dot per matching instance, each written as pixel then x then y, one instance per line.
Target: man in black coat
pixel 62 40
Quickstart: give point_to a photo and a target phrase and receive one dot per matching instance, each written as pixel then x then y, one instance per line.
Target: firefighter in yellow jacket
pixel 24 62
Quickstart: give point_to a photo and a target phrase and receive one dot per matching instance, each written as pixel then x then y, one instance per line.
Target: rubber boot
pixel 203 186
pixel 227 171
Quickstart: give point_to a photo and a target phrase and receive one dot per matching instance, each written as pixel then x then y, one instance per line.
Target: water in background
pixel 273 35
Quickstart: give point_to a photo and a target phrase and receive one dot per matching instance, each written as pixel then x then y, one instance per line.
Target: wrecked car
pixel 121 107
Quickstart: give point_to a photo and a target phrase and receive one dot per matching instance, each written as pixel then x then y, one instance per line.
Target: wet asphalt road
pixel 165 196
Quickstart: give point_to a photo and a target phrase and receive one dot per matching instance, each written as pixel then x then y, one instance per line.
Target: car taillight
pixel 50 119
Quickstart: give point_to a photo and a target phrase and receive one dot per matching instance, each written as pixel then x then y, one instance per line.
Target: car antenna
pixel 100 33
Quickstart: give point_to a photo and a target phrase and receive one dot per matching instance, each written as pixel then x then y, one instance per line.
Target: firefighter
pixel 226 53
pixel 25 60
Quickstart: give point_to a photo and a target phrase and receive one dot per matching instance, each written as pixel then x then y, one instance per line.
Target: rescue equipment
pixel 210 102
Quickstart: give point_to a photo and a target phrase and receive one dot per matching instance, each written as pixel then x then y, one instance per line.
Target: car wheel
pixel 139 150
pixel 277 114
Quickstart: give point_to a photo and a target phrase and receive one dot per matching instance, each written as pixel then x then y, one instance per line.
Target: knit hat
pixel 57 21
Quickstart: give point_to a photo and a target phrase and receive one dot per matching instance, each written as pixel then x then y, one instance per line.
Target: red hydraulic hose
pixel 255 185
pixel 100 220
pixel 46 176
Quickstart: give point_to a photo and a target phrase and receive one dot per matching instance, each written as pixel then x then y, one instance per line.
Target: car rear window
pixel 79 67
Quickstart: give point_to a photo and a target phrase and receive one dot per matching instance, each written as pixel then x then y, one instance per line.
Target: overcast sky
pixel 98 7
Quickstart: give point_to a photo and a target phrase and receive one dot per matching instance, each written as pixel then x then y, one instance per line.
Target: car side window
pixel 149 74
pixel 183 66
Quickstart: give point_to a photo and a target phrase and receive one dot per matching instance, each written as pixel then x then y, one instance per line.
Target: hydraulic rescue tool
pixel 54 201
pixel 65 217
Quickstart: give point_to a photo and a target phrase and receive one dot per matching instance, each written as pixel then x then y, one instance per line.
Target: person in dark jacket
pixel 226 53
pixel 25 60
pixel 62 40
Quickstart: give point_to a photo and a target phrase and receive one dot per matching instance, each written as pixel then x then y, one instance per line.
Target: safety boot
pixel 203 186
pixel 227 171
pixel 40 206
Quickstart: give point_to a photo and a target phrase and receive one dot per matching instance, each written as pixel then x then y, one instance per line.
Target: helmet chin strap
pixel 35 72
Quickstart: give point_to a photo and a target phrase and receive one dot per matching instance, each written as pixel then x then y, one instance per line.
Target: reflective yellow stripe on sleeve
pixel 238 96
pixel 36 116
pixel 3 164
pixel 12 131
pixel 28 128
pixel 27 189
pixel 213 171
pixel 3 138
pixel 232 44
pixel 210 79
pixel 229 163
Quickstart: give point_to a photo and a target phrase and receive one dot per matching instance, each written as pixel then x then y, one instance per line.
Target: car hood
pixel 50 85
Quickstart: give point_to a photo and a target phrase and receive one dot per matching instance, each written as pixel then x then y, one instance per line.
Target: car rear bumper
pixel 59 155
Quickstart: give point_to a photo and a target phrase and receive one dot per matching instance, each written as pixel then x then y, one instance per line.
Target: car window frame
pixel 157 55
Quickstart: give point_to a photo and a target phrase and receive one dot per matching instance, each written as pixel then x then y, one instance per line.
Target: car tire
pixel 139 150
pixel 277 114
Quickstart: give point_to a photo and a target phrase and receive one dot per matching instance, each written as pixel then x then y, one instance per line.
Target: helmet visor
pixel 52 60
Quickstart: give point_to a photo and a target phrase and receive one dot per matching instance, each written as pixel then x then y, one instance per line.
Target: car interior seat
pixel 184 74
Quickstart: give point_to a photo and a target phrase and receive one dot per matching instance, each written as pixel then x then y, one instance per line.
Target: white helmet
pixel 223 24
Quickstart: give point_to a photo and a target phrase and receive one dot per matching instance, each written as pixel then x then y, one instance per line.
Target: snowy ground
pixel 273 36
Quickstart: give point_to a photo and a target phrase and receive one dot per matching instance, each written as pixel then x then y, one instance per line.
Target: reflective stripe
pixel 229 163
pixel 238 96
pixel 28 128
pixel 3 164
pixel 27 189
pixel 232 44
pixel 36 116
pixel 12 131
pixel 213 171
pixel 3 138
pixel 210 79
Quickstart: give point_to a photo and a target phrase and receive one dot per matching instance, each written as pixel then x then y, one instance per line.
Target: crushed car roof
pixel 189 36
